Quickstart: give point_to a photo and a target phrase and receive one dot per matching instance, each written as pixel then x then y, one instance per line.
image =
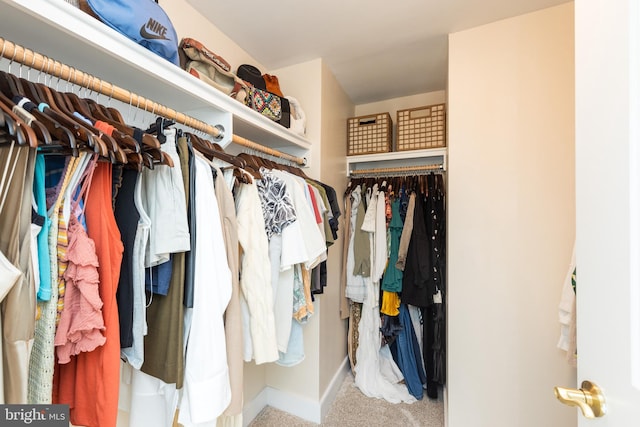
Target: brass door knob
pixel 589 399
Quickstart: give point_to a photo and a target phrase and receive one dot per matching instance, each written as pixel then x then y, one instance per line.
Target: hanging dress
pixel 90 382
pixel 374 366
pixel 392 280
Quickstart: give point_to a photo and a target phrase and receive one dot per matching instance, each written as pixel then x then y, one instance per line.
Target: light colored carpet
pixel 353 409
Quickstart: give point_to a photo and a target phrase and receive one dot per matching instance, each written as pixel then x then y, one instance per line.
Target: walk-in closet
pixel 195 234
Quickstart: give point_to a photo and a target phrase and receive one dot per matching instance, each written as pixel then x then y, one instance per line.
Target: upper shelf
pixel 62 32
pixel 429 156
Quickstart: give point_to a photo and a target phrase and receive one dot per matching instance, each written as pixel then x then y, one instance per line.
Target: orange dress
pixel 90 382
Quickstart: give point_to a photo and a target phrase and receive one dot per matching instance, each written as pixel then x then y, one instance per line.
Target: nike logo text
pixel 155 31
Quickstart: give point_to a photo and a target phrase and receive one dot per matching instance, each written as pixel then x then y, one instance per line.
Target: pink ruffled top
pixel 81 322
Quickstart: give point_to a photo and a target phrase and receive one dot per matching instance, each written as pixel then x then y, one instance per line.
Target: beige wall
pixel 511 214
pixel 188 22
pixel 392 106
pixel 336 108
pixel 325 334
pixel 326 107
pixel 303 81
pixel 306 82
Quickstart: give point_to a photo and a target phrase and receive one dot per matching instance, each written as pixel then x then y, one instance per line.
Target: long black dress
pixel 424 277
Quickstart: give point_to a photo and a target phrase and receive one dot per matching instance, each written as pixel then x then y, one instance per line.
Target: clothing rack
pixel 398 171
pixel 302 161
pixel 37 61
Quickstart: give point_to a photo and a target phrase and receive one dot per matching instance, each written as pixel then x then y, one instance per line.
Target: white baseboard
pixel 334 386
pixel 253 408
pixel 445 393
pixel 293 404
pixel 307 409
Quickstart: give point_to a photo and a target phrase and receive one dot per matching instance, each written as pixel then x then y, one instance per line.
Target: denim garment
pixel 295 349
pixel 406 353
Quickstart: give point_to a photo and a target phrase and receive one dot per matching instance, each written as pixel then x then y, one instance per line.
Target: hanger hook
pixel 95 91
pixel 135 112
pixel 12 58
pixel 41 71
pixel 66 89
pixel 59 74
pixel 24 59
pixel 4 47
pixel 130 102
pixel 75 84
pixel 99 92
pixel 79 86
pixel 47 73
pixel 86 86
pixel 33 62
pixel 110 96
pixel 92 90
pixel 53 72
pixel 153 109
pixel 87 91
pixel 73 78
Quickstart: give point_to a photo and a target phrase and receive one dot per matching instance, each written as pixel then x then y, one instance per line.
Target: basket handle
pixel 367 120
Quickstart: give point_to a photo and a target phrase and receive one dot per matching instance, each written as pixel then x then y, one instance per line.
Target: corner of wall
pixel 303 82
pixel 189 22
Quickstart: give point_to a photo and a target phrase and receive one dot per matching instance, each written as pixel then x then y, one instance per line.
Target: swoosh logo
pixel 147 35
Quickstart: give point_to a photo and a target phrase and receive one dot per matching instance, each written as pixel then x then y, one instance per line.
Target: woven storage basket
pixel 421 127
pixel 369 134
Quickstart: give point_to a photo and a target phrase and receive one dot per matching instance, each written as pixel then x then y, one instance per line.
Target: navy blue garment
pixel 404 203
pixel 406 353
pixel 160 278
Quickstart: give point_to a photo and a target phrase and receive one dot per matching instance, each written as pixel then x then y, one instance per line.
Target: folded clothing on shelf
pixel 298 123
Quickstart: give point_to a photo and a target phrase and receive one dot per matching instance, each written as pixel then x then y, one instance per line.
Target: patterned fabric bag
pixel 267 104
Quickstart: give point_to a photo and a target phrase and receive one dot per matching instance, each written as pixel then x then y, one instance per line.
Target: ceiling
pixel 376 49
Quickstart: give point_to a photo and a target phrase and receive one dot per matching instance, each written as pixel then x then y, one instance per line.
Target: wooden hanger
pixel 213 150
pixel 72 100
pixel 56 132
pixel 124 141
pixel 83 136
pixel 210 151
pixel 107 115
pixel 25 133
pixel 16 128
pixel 252 165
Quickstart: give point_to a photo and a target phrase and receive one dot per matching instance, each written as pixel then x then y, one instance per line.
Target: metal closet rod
pixel 37 61
pixel 403 170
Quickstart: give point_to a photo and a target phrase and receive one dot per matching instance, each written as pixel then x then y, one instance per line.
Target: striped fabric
pixel 61 248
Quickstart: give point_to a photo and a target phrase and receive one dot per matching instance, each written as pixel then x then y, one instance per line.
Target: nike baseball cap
pixel 143 21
